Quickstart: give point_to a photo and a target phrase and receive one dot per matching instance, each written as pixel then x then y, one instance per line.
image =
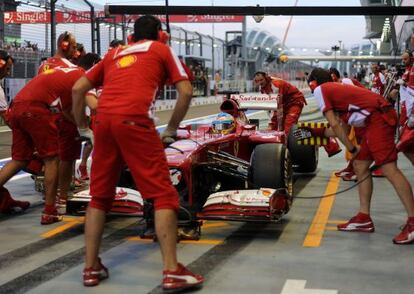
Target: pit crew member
pixel 66 49
pixel 378 81
pixel 32 120
pixel 68 136
pixel 7 203
pixel 354 134
pixel 370 111
pixel 293 99
pixel 125 132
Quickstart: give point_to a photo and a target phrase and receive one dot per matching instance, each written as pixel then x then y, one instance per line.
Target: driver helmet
pixel 224 124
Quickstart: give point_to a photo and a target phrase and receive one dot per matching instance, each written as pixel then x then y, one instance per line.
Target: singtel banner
pixel 43 17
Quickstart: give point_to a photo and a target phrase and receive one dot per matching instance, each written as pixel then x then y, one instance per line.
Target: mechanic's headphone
pixel 4 57
pixel 163 36
pixel 2 63
pixel 64 43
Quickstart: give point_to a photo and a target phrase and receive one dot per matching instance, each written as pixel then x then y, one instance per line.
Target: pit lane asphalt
pixel 234 257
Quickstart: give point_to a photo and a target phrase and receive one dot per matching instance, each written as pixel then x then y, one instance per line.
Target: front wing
pixel 246 205
pixel 126 202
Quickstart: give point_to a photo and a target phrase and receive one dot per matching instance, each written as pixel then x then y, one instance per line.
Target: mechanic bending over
pixel 125 132
pixel 293 99
pixel 7 203
pixel 68 144
pixel 354 134
pixel 32 118
pixel 363 108
pixel 293 102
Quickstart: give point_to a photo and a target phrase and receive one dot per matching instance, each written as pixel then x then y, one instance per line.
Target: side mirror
pixel 185 127
pixel 249 127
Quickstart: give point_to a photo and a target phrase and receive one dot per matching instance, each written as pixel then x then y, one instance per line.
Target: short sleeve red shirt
pixel 354 104
pixel 53 62
pixel 53 87
pixel 132 75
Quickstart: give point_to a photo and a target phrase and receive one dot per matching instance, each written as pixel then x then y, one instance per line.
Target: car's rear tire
pixel 271 167
pixel 304 157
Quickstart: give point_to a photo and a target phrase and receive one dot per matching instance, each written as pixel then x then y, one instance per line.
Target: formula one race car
pixel 231 169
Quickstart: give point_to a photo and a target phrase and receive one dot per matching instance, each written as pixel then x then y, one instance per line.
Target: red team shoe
pixel 9 205
pixel 344 172
pixel 61 205
pixel 83 173
pixel 92 277
pixel 350 177
pixel 49 218
pixel 180 279
pixel 406 236
pixel 359 223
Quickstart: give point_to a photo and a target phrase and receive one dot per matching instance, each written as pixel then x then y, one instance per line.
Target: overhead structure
pixel 260 10
pixel 365 58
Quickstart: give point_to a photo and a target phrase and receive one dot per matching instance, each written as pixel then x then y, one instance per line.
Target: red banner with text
pixel 43 17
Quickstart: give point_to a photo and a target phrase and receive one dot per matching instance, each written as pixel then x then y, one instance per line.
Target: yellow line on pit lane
pixel 336 222
pixel 214 225
pixel 318 226
pixel 199 242
pixel 70 222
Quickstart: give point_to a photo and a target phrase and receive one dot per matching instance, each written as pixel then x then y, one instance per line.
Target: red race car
pixel 232 169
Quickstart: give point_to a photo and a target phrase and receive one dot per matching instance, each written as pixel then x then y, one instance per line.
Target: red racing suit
pixel 292 99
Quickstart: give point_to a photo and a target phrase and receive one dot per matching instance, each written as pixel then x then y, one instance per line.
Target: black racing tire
pixel 304 157
pixel 271 167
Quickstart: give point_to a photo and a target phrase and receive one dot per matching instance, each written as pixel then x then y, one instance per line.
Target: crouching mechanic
pixel 7 203
pixel 370 111
pixel 125 132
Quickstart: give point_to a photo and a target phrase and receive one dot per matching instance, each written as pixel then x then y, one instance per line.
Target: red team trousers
pixel 33 129
pixel 378 139
pixel 134 141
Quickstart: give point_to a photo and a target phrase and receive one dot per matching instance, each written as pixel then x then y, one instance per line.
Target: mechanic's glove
pixel 305 132
pixel 86 133
pixel 410 122
pixel 168 136
pixel 400 82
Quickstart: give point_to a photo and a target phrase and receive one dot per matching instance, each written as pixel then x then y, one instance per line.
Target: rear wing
pixel 256 101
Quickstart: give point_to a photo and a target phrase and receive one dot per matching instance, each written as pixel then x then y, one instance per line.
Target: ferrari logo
pixel 48 71
pixel 126 61
pixel 236 148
